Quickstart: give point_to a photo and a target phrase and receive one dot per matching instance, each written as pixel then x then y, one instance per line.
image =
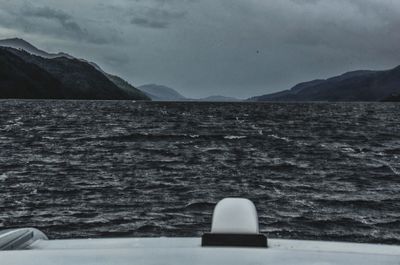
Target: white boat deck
pixel 146 251
pixel 32 247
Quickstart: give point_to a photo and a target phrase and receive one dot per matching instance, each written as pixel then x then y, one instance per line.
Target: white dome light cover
pixel 235 216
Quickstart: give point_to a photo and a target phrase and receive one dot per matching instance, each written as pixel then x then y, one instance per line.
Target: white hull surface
pixel 185 251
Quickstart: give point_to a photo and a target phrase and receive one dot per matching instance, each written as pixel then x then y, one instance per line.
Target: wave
pixel 234 137
pixel 200 206
pixel 3 177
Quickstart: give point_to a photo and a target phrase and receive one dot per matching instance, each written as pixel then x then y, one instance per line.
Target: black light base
pixel 234 240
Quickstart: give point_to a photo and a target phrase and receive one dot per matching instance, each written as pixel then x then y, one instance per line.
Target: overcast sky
pixel 236 48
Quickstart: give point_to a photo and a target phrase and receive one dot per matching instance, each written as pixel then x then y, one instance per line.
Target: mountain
pixel 21 79
pixel 351 86
pixel 393 98
pixel 82 79
pixel 21 44
pixel 162 93
pixel 219 99
pixel 128 88
pixel 73 79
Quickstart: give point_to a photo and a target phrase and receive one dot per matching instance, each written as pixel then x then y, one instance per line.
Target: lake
pixel 121 168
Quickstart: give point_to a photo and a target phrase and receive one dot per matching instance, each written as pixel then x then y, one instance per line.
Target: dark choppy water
pixel 96 169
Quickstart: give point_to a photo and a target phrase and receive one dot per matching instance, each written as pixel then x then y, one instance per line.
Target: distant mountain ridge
pixel 21 44
pixel 361 85
pixel 77 78
pixel 218 99
pixel 164 93
pixel 393 98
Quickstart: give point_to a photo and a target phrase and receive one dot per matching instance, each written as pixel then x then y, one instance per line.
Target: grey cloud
pixel 116 59
pixel 145 22
pixel 63 18
pixel 48 21
pixel 155 17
